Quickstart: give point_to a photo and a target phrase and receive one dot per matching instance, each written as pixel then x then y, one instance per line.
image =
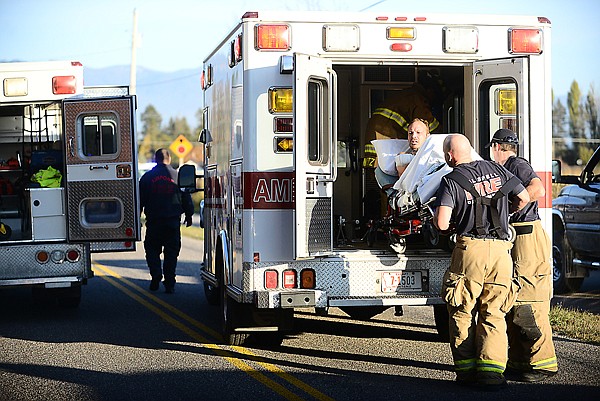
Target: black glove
pixel 188 221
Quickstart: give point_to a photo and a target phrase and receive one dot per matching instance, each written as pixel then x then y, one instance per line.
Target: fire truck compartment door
pixel 315 141
pixel 101 182
pixel 497 85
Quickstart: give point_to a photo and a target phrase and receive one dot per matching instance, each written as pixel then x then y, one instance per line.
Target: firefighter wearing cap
pixel 478 284
pixel 531 350
pixel 390 119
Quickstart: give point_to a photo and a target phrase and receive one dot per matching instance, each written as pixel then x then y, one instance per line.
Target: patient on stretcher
pixel 421 177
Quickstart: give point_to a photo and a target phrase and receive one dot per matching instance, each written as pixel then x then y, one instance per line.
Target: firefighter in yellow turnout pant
pixel 478 285
pixel 390 119
pixel 531 349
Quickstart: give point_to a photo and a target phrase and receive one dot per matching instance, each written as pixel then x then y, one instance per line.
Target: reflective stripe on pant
pixel 476 289
pixel 531 256
pixel 529 354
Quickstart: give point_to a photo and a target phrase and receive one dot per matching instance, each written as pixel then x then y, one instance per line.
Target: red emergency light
pixel 64 85
pixel 272 37
pixel 525 41
pixel 401 47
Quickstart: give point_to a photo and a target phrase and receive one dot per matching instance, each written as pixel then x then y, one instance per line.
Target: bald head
pixel 457 149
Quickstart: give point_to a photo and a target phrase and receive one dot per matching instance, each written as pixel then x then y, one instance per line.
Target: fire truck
pixel 67 175
pixel 287 97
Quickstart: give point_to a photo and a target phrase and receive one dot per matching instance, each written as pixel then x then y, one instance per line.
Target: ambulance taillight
pixel 271 280
pixel 307 278
pixel 289 279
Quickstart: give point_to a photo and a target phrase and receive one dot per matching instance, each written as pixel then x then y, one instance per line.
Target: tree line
pixel 155 136
pixel 576 126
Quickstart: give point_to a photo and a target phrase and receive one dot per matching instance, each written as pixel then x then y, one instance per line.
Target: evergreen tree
pixel 576 118
pixel 593 120
pixel 559 132
pixel 178 126
pixel 152 135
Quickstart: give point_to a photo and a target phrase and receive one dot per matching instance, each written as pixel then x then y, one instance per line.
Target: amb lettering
pixel 274 190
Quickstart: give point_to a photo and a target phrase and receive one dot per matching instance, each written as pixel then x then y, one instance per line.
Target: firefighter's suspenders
pixel 481 201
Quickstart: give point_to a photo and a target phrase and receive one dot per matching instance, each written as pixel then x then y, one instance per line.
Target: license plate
pixel 400 281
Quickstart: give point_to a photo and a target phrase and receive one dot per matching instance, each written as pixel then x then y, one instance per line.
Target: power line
pixel 373 5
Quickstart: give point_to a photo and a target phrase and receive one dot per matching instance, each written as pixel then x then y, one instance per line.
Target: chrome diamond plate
pixel 19 262
pixel 318 221
pixel 80 190
pixel 121 107
pixel 348 276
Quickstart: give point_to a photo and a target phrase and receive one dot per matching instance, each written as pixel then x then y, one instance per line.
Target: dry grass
pixel 573 323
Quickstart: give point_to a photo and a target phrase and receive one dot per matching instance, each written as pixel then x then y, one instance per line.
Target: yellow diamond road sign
pixel 181 146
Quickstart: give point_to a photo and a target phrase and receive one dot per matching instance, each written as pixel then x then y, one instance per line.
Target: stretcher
pixel 409 208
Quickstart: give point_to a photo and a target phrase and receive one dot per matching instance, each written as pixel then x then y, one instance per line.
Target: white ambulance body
pixel 50 223
pixel 287 98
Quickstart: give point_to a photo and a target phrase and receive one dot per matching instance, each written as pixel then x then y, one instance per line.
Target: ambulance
pixel 288 204
pixel 68 173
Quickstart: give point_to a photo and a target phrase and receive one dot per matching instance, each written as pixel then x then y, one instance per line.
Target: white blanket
pixel 423 175
pixel 387 149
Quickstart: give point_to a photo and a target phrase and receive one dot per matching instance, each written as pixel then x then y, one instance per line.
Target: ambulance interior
pixel 31 145
pixel 358 201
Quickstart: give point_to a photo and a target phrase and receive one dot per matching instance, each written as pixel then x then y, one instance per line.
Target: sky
pixel 179 34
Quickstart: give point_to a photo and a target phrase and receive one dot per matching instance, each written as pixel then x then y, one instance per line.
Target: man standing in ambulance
pixel 390 120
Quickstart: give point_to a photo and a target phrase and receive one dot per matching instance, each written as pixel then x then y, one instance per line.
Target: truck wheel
pixel 442 321
pixel 211 293
pixel 230 316
pixel 562 257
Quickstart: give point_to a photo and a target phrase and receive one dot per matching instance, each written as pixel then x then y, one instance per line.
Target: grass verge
pixel 576 324
pixel 193 232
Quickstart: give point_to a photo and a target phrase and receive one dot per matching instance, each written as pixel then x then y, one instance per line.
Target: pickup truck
pixel 576 226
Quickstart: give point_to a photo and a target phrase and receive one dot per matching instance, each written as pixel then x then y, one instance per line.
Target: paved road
pixel 126 343
pixel 587 298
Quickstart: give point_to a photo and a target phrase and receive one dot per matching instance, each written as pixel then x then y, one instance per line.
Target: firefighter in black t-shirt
pixel 478 284
pixel 531 350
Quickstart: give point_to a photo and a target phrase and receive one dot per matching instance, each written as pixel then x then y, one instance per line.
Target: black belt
pixel 522 230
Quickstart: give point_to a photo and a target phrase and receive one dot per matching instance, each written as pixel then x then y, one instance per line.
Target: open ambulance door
pixel 315 143
pixel 101 182
pixel 501 93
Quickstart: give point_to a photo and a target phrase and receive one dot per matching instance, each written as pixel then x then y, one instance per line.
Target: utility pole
pixel 134 45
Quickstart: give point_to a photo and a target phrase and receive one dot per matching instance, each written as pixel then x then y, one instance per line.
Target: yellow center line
pixel 215 348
